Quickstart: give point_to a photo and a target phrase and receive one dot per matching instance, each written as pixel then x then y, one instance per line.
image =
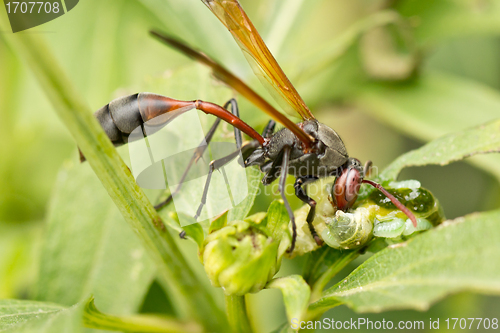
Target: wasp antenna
pixel 226 76
pixel 395 201
pixel 82 157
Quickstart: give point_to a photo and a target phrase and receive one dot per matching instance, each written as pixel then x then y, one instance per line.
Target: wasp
pixel 308 150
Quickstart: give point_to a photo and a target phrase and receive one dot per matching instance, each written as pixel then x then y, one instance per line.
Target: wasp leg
pixel 282 182
pixel 198 153
pixel 214 165
pixel 301 193
pixel 254 144
pixel 201 149
pixel 279 169
pixel 236 111
pixel 219 163
pixel 269 129
pixel 274 170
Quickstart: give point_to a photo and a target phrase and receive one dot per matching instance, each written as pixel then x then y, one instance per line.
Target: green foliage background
pixel 444 76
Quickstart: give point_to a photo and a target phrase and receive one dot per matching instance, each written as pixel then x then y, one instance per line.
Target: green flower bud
pixel 390 229
pixel 348 230
pixel 419 200
pixel 393 225
pixel 240 258
pixel 372 216
pixel 422 225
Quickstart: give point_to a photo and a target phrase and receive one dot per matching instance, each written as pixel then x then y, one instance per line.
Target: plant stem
pixel 189 293
pixel 315 311
pixel 237 314
pixel 93 318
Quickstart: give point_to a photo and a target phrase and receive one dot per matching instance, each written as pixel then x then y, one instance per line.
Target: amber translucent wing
pixel 258 55
pixel 233 81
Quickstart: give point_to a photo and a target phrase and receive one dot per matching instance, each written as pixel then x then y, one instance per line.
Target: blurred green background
pixel 387 75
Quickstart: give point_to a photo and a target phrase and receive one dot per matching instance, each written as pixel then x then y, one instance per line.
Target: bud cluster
pixel 243 256
pixel 240 257
pixel 373 216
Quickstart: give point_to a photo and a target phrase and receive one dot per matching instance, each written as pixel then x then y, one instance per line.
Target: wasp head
pixel 346 187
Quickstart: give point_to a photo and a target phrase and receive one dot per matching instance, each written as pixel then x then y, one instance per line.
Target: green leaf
pixel 433 105
pixel 88 248
pixel 243 208
pixel 193 231
pixel 296 293
pixel 438 20
pixel 277 219
pixel 18 316
pixel 454 147
pixel 18 245
pixel 93 318
pixel 286 17
pixel 183 18
pixel 323 264
pixel 219 223
pixel 459 255
pixel 284 328
pixel 328 54
pixel 319 262
pixel 196 232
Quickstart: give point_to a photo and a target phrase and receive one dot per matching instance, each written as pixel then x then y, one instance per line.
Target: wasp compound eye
pixel 353 183
pixel 346 188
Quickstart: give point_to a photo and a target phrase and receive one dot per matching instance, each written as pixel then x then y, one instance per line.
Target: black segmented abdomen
pixel 119 118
